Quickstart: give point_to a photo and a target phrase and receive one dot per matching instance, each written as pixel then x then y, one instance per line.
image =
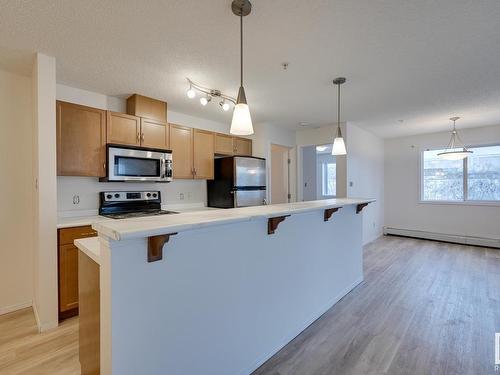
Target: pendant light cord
pixel 241 48
pixel 338 110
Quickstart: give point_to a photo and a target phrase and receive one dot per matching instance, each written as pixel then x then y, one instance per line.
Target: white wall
pixel 16 197
pixel 365 177
pixel 184 192
pixel 264 136
pixel 402 178
pixel 363 166
pixel 322 136
pixel 309 175
pixel 45 197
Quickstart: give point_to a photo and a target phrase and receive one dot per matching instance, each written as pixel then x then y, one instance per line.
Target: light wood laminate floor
pixel 24 351
pixel 424 308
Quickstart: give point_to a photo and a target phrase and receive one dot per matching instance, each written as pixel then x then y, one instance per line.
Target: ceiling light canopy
pixel 456 149
pixel 242 121
pixel 338 143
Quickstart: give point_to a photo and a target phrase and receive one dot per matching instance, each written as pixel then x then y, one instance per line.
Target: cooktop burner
pixel 128 215
pixel 130 204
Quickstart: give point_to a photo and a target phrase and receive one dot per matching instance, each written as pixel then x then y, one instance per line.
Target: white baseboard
pixel 454 238
pixel 12 308
pixel 42 327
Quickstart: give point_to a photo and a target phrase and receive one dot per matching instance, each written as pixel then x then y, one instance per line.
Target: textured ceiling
pixel 418 61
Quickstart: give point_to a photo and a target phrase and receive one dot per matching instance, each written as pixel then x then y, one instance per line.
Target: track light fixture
pixel 208 95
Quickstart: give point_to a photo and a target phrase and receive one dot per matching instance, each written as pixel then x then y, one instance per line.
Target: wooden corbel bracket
pixel 155 246
pixel 329 212
pixel 273 222
pixel 360 207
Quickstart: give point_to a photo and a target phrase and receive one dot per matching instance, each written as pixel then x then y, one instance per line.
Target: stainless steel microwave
pixel 134 164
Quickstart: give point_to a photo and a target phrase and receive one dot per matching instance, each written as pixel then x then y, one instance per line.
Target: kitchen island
pixel 219 292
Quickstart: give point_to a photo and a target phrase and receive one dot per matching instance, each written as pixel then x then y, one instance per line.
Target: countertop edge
pixel 90 247
pixel 280 210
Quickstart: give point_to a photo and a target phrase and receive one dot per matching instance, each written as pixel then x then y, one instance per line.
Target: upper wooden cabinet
pixel 154 134
pixel 224 144
pixel 81 140
pixel 203 154
pixel 242 146
pixel 181 144
pixel 135 131
pixel 228 145
pixel 123 129
pixel 142 106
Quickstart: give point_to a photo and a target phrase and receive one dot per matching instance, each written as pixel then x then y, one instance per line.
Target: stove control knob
pixel 109 196
pixel 148 195
pixel 117 195
pixel 154 195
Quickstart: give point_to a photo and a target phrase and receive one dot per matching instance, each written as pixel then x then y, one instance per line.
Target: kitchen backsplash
pixel 81 193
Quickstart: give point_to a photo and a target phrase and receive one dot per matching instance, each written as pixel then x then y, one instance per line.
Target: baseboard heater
pixel 454 238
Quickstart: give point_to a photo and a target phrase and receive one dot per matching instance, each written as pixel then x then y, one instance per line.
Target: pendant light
pixel 338 143
pixel 242 122
pixel 456 149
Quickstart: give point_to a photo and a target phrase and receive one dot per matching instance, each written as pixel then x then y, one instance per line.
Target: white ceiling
pixel 418 61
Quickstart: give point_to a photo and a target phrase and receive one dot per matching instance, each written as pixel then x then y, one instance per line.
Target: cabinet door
pixel 181 144
pixel 81 140
pixel 203 154
pixel 223 144
pixel 124 129
pixel 68 277
pixel 243 146
pixel 154 134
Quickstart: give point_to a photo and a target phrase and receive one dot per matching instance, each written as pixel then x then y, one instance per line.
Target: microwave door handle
pixel 162 167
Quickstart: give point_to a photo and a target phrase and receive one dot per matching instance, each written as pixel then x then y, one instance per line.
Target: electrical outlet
pixel 76 199
pixel 189 196
pixel 181 196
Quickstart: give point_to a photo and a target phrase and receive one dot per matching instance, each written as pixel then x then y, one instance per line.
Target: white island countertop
pixel 91 247
pixel 157 225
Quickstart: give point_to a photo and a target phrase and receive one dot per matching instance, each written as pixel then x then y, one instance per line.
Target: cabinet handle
pixel 142 137
pixel 104 166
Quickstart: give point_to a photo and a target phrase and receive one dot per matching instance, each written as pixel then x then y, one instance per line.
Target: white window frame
pixel 465 201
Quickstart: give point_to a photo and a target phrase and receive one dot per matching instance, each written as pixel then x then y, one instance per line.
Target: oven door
pixel 137 165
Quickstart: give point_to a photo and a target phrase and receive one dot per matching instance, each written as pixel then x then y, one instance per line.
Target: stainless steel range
pixel 128 204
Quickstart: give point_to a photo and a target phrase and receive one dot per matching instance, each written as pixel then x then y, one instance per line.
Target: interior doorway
pixel 319 172
pixel 280 174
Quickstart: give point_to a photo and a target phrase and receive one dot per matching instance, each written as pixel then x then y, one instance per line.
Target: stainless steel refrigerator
pixel 239 181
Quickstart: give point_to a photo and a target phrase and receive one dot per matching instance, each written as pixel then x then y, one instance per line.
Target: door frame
pixel 292 172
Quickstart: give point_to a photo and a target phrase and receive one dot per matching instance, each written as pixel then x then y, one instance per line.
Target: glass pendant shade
pixel 242 122
pixel 459 154
pixel 454 151
pixel 339 146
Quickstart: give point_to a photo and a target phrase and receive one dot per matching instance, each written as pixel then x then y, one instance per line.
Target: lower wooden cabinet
pixel 68 269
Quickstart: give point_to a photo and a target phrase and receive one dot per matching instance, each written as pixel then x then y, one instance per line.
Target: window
pixel 328 179
pixel 477 178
